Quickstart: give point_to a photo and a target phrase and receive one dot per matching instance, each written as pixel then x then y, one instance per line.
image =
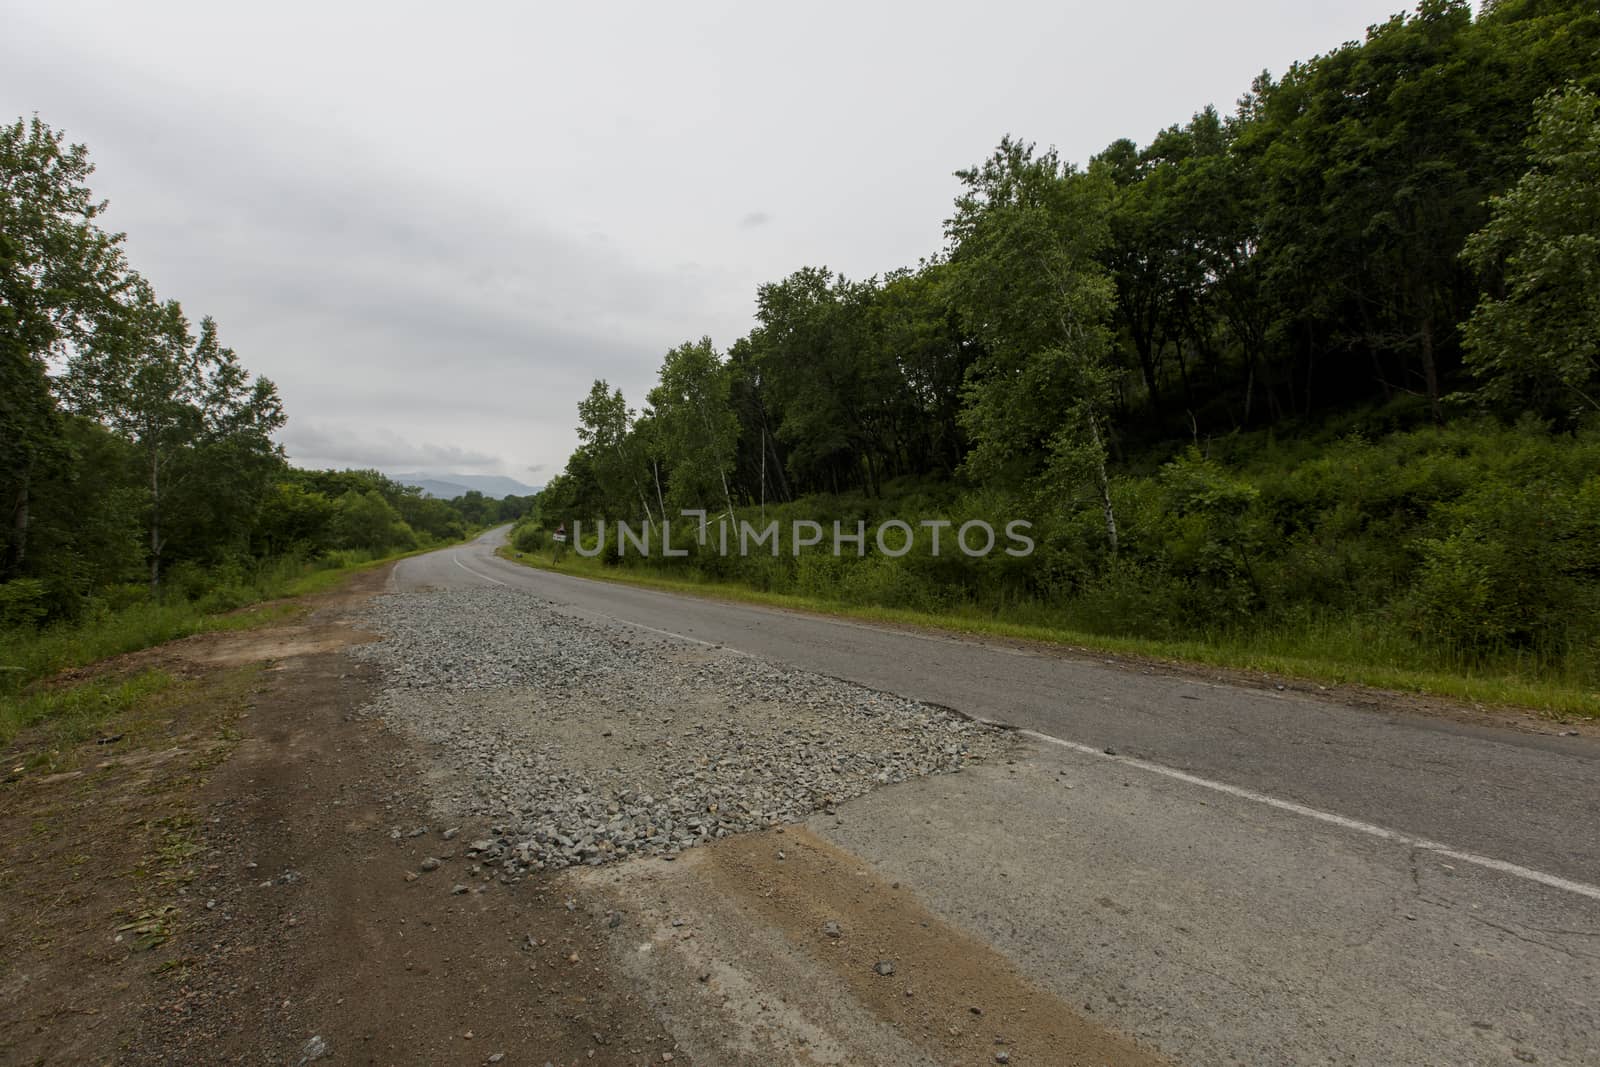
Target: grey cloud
pixel 425 237
pixel 320 446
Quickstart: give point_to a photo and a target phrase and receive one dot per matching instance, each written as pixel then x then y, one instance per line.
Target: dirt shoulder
pixel 241 883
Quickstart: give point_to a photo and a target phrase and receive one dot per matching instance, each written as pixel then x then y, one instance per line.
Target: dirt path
pixel 244 882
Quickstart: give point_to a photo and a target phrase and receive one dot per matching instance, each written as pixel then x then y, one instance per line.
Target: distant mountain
pixel 450 486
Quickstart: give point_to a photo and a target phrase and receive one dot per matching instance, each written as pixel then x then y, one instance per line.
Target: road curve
pixel 1233 874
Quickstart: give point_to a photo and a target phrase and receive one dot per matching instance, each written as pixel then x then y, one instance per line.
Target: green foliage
pixel 367 521
pixel 151 458
pixel 75 713
pixel 57 269
pixel 1473 545
pixel 1539 343
pixel 694 425
pixel 1026 234
pixel 1214 370
pixel 615 454
pixel 22 603
pixel 199 424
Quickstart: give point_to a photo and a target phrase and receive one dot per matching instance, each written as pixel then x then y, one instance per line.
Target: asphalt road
pixel 1236 875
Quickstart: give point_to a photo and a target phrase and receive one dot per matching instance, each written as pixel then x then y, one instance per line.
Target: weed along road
pixel 1219 872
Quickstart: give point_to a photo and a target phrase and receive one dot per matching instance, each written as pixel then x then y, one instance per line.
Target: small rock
pixel 450 834
pixel 1002 1056
pixel 430 864
pixel 313 1050
pixel 458 889
pixel 883 968
pixel 831 929
pixel 495 1057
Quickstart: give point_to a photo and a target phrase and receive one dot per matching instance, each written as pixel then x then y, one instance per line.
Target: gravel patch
pixel 582 742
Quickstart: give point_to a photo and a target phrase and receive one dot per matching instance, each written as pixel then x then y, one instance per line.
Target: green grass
pixel 76 713
pixel 1340 651
pixel 30 655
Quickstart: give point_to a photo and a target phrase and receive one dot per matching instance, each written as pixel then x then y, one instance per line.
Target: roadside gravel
pixel 580 742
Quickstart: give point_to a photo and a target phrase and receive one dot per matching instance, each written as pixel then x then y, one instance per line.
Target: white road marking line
pixel 1583 889
pixel 656 630
pixel 470 571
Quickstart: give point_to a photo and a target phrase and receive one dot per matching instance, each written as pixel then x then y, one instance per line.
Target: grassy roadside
pixel 1336 654
pixel 30 656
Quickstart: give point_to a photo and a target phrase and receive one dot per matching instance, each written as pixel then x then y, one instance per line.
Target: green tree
pixel 921 332
pixel 180 399
pixel 57 268
pixel 1026 236
pixel 696 424
pixel 1538 341
pixel 604 425
pixel 365 520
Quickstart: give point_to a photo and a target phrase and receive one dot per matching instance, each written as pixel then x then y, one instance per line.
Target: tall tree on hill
pixel 832 383
pixel 1025 241
pixel 1539 342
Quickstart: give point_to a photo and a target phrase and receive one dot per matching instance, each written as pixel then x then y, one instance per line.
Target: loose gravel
pixel 582 742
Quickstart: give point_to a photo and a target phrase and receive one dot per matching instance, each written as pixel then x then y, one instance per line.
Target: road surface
pixel 1229 874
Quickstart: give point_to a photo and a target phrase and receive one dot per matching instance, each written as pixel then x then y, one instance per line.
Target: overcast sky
pixel 434 225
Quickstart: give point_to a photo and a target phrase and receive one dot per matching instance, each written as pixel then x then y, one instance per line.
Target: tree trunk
pixel 19 528
pixel 634 477
pixel 155 524
pixel 727 497
pixel 1105 483
pixel 777 465
pixel 1430 370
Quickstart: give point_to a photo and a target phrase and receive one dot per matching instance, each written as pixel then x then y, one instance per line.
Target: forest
pixel 1316 375
pixel 143 490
